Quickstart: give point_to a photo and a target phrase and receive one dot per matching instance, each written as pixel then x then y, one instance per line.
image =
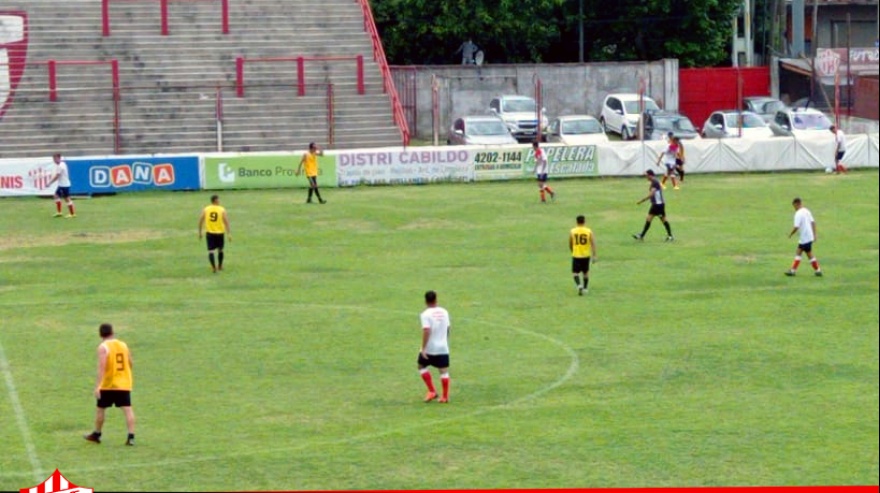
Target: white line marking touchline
pixel 20 417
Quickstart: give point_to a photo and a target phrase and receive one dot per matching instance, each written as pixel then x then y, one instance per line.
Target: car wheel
pixel 624 133
pixel 602 122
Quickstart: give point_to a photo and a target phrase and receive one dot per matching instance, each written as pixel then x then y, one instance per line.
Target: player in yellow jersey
pixel 216 225
pixel 309 161
pixel 114 382
pixel 582 244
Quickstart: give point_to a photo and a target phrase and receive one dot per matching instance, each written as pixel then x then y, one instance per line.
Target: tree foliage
pixel 696 32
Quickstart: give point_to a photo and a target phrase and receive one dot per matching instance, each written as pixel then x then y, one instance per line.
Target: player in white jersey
pixel 542 169
pixel 62 191
pixel 434 350
pixel 839 149
pixel 805 226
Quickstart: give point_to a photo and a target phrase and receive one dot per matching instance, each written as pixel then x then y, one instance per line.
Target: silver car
pixel 479 130
pixel 731 123
pixel 577 130
pixel 764 106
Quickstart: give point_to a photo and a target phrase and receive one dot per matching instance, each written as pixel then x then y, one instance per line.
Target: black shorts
pixel 542 177
pixel 118 398
pixel 807 247
pixel 435 360
pixel 215 241
pixel 840 155
pixel 313 181
pixel 63 192
pixel 658 210
pixel 679 163
pixel 580 264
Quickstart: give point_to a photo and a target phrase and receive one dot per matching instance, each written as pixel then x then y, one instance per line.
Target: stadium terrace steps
pixel 169 84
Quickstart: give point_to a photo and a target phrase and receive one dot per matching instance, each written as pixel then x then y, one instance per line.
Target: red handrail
pixel 379 56
pixel 163 13
pixel 300 70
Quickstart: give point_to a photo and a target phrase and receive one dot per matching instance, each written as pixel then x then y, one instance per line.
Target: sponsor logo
pixel 137 173
pixel 225 173
pixel 56 483
pixel 13 53
pixel 828 62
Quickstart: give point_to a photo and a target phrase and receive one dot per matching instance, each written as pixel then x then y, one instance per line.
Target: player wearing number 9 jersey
pixel 216 224
pixel 114 383
pixel 582 244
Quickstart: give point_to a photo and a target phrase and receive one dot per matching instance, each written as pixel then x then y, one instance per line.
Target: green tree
pixel 696 32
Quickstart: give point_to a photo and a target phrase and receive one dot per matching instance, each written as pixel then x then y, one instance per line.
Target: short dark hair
pixel 312 145
pixel 106 330
pixel 650 172
pixel 430 296
pixel 581 219
pixel 57 154
pixel 797 200
pixel 535 144
pixel 214 198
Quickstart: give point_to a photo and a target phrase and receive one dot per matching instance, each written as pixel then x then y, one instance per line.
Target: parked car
pixel 799 122
pixel 576 130
pixel 723 124
pixel 479 130
pixel 620 113
pixel 520 116
pixel 764 106
pixel 658 124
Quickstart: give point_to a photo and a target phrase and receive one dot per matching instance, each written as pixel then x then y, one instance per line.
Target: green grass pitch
pixel 695 363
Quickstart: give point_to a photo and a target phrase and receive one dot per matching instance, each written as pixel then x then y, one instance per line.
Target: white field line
pixel 20 417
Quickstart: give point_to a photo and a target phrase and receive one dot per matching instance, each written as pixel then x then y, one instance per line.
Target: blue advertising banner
pixel 133 174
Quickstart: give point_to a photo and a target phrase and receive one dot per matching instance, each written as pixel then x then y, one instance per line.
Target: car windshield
pixel 518 106
pixel 487 128
pixel 771 107
pixel 573 127
pixel 749 120
pixel 633 106
pixel 811 121
pixel 674 124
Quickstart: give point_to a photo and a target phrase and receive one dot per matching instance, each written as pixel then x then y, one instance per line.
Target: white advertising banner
pixel 413 165
pixel 26 176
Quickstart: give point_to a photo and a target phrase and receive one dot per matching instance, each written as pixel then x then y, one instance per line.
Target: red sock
pixel 549 190
pixel 796 263
pixel 815 263
pixel 426 376
pixel 70 208
pixel 444 380
pixel 58 206
pixel 543 195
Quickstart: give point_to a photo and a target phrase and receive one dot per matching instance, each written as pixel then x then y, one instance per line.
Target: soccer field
pixel 693 363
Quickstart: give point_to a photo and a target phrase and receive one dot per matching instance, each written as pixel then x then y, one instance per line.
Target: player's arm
pixel 300 167
pixel 815 235
pixel 646 197
pixel 102 368
pixel 201 223
pixel 318 150
pixel 226 224
pixel 793 231
pixel 426 334
pixel 570 243
pixel 593 246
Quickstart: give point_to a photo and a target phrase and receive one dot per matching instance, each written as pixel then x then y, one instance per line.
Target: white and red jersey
pixel 63 174
pixel 541 167
pixel 840 138
pixel 803 221
pixel 436 319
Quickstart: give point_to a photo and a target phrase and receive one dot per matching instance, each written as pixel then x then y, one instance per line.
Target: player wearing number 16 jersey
pixel 582 244
pixel 216 224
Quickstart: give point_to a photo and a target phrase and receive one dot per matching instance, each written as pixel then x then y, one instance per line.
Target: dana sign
pixel 103 175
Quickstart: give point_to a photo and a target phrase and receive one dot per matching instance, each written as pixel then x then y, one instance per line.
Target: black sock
pixel 318 194
pixel 577 280
pixel 220 258
pixel 211 258
pixel 586 282
pixel 131 436
pixel 668 228
pixel 97 433
pixel 311 192
pixel 681 174
pixel 645 230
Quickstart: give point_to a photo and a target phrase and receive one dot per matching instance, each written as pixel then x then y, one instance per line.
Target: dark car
pixel 658 124
pixel 765 106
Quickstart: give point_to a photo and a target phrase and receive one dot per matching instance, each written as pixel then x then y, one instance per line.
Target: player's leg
pixel 100 411
pixel 70 210
pixel 586 274
pixel 57 198
pixel 212 259
pixel 129 424
pixel 425 373
pixel 219 259
pixel 668 227
pixel 814 262
pixel 444 384
pixel 541 190
pixel 796 263
pixel 648 219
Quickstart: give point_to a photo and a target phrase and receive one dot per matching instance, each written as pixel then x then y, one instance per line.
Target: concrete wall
pixel 567 88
